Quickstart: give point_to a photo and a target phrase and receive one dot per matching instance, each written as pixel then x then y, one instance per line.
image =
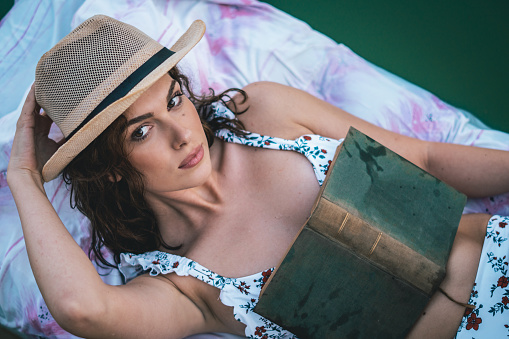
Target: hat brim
pixel 90 131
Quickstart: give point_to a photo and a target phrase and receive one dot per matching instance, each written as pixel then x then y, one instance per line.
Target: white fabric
pixel 246 41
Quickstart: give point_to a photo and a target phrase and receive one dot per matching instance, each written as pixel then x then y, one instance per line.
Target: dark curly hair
pixel 120 218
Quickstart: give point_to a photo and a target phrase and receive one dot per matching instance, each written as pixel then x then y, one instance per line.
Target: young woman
pixel 192 196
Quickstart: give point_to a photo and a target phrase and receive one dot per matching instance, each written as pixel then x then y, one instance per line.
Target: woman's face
pixel 165 139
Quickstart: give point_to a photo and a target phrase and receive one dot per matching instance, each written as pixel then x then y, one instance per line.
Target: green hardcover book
pixel 372 253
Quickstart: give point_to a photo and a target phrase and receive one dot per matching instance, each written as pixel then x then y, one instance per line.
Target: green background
pixel 5 5
pixel 456 49
pixel 459 50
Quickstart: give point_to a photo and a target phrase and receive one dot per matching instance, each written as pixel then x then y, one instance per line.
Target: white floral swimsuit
pixel 240 293
pixel 490 294
pixel 319 150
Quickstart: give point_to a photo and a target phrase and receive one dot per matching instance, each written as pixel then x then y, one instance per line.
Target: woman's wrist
pixel 24 179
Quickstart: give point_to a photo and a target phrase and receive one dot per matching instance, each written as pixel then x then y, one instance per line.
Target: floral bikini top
pixel 240 293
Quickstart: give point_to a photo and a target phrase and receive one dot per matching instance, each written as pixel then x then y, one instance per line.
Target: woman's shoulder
pixel 269 110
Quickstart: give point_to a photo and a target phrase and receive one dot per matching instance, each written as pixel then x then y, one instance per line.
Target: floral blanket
pixel 246 41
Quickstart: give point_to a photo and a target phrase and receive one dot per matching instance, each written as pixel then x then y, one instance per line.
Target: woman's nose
pixel 181 136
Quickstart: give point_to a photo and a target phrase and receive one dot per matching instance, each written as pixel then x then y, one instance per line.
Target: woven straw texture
pixel 101 51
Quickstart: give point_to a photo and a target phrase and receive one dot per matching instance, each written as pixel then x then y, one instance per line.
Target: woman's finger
pixel 32 146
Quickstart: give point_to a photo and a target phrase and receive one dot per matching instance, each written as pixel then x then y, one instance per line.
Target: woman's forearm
pixel 67 279
pixel 477 172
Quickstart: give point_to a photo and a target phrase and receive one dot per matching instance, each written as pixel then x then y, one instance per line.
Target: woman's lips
pixel 193 158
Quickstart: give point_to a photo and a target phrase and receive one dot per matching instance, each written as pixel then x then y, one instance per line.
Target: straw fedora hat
pixel 94 74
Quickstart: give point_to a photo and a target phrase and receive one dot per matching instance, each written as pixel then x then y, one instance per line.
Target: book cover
pixel 372 253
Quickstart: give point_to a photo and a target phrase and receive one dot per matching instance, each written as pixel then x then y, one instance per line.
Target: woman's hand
pixel 31 147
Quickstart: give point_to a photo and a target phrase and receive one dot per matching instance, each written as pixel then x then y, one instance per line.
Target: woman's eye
pixel 175 100
pixel 140 133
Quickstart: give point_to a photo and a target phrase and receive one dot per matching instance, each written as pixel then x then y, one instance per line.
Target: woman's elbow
pixel 78 316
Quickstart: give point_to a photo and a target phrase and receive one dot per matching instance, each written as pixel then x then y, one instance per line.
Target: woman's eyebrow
pixel 139 119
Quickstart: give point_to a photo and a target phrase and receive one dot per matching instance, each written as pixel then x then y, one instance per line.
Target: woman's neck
pixel 182 215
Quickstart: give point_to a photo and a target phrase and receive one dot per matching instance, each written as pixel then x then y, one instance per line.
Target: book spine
pixel 377 247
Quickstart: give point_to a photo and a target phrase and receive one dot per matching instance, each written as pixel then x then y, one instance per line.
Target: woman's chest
pixel 271 196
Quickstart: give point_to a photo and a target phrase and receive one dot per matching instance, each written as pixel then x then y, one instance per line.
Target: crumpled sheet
pixel 246 41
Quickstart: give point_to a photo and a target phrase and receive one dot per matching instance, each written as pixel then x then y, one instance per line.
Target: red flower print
pixel 503 282
pixel 259 330
pixel 467 312
pixel 505 300
pixel 244 287
pixel 265 336
pixel 253 300
pixel 155 262
pixel 324 151
pixel 506 326
pixel 502 224
pixel 175 264
pixel 306 137
pixel 267 143
pixel 266 274
pixel 473 322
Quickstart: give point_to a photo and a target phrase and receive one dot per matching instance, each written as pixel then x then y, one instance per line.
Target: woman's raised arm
pixel 75 294
pixel 477 172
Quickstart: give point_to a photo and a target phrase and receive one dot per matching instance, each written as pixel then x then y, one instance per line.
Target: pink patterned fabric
pixel 246 41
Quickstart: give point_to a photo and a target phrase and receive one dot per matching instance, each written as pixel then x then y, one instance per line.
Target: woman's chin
pixel 196 178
